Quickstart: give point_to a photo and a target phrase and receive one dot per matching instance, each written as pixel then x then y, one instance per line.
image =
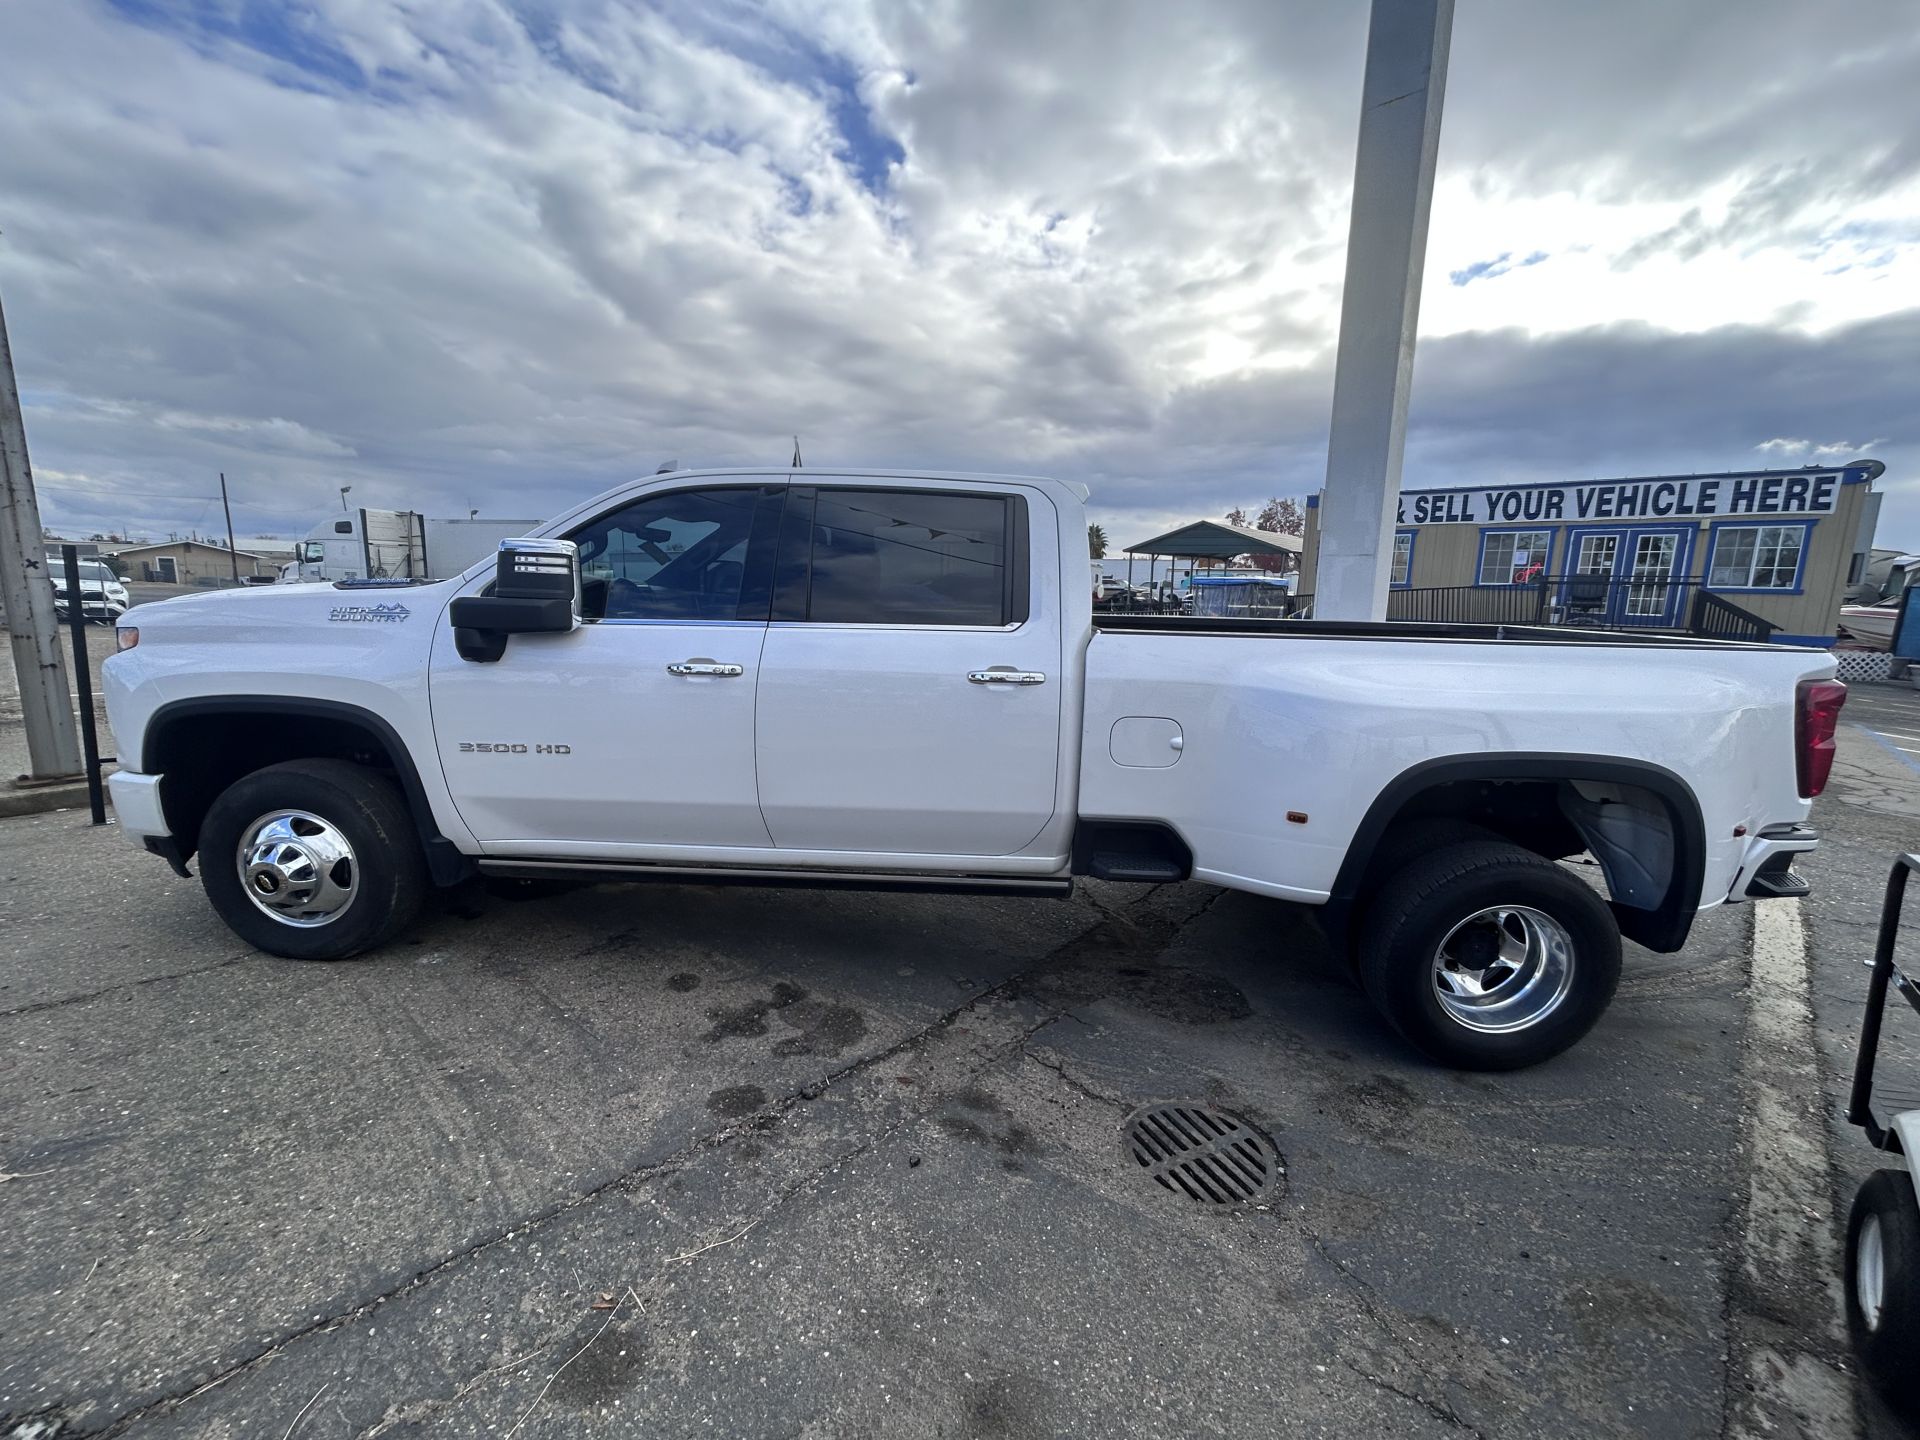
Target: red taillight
pixel 1816 715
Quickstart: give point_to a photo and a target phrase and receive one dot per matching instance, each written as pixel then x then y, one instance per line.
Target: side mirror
pixel 536 591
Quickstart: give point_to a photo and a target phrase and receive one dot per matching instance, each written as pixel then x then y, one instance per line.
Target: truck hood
pixel 311 608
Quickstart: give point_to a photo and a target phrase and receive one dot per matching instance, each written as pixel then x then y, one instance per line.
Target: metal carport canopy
pixel 1214 540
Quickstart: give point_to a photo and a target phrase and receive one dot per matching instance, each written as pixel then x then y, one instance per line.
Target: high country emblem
pixel 385 613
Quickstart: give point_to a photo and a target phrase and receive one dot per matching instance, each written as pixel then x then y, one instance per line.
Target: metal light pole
pixel 1406 81
pixel 53 748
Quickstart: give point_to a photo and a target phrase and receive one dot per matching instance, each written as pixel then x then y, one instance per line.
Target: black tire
pixel 1404 923
pixel 386 872
pixel 1888 1344
pixel 1398 848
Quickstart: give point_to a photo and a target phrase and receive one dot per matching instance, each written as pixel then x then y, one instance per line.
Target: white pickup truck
pixel 896 680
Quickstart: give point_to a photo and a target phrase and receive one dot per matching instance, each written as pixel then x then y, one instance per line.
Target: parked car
pixel 895 680
pixel 102 595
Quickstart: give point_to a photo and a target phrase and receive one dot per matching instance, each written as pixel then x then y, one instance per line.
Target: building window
pixel 1401 575
pixel 1514 557
pixel 1756 557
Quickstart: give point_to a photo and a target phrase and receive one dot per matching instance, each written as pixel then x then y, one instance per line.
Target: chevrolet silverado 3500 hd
pixel 894 679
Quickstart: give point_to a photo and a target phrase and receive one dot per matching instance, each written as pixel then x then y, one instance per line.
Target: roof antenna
pixel 796 452
pixel 667 467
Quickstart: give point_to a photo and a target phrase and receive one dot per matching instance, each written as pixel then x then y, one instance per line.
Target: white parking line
pixel 1789 1250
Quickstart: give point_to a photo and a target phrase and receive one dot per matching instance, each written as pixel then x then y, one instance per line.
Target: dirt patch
pixel 822 1028
pixel 1619 1305
pixel 988 1126
pixel 1184 996
pixel 739 1022
pixel 737 1100
pixel 610 1367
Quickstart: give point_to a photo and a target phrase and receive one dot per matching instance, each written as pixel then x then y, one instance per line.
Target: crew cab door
pixel 635 731
pixel 911 683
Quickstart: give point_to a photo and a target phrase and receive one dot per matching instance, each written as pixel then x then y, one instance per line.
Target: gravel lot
pixel 848 1165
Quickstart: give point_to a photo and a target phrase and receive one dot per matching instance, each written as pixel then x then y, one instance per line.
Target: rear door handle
pixel 1000 675
pixel 704 667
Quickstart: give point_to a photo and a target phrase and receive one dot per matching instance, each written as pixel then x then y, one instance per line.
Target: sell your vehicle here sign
pixel 1793 492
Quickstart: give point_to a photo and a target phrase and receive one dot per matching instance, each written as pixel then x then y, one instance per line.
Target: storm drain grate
pixel 1204 1155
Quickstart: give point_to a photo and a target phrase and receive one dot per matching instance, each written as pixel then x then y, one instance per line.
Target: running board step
pixel 1128 865
pixel 599 872
pixel 1780 885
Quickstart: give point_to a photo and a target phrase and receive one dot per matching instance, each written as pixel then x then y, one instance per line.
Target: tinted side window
pixel 679 556
pixel 909 558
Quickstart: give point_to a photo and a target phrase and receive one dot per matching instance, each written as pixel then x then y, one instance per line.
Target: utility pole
pixel 1406 80
pixel 232 554
pixel 53 746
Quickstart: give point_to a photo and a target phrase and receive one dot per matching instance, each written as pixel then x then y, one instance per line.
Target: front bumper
pixel 136 805
pixel 93 607
pixel 138 808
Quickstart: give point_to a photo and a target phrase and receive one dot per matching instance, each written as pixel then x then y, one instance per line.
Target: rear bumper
pixel 1766 870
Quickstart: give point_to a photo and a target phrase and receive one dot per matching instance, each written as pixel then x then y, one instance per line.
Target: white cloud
pixel 455 253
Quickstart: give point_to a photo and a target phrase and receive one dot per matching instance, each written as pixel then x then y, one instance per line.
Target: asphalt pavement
pixel 696 1160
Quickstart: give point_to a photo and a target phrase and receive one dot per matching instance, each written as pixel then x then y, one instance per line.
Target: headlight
pixel 127 636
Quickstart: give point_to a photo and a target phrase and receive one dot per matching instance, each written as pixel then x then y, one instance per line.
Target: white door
pixel 911 684
pixel 635 731
pixel 1651 598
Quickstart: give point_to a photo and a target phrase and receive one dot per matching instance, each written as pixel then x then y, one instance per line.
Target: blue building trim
pixel 1805 527
pixel 1552 532
pixel 1623 555
pixel 1413 539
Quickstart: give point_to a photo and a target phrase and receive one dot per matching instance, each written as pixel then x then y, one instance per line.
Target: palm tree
pixel 1097 542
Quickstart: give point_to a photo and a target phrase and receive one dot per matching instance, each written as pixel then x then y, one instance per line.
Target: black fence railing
pixel 1587 602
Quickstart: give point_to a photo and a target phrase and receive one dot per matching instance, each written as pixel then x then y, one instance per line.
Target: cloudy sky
pixel 501 254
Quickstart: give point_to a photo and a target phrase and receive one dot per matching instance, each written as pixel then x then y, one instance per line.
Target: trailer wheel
pixel 1484 956
pixel 312 859
pixel 1883 1285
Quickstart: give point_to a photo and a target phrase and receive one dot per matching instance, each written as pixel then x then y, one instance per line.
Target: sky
pixel 504 254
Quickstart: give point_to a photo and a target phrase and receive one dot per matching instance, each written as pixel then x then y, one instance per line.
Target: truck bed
pixel 1412 630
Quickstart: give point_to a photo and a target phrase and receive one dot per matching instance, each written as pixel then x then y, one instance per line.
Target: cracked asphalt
pixel 692 1160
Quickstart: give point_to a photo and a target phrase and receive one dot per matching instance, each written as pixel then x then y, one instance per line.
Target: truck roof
pixel 869 473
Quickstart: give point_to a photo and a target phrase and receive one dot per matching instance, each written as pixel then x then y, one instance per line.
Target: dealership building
pixel 1782 545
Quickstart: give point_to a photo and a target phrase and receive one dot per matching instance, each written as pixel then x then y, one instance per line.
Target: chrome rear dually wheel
pixel 1486 956
pixel 1503 968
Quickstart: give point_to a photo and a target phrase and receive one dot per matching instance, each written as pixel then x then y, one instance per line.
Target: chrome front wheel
pixel 1503 968
pixel 297 868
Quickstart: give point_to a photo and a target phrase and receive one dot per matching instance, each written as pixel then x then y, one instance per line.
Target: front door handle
pixel 1000 675
pixel 704 667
